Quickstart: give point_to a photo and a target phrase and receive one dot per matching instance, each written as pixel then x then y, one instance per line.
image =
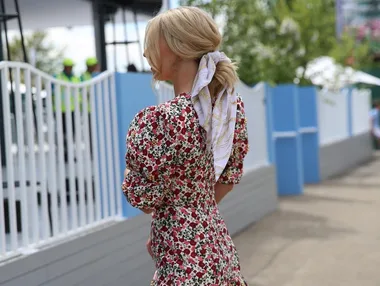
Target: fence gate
pixel 60 172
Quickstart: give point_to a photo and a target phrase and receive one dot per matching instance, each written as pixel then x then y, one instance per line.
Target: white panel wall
pixel 254 102
pixel 164 92
pixel 332 116
pixel 361 105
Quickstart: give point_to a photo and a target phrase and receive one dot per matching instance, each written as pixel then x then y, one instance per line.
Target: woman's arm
pixel 144 210
pixel 221 190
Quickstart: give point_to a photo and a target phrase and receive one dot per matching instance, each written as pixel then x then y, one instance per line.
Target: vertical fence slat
pixel 87 160
pixel 21 160
pixel 115 129
pixel 107 113
pixel 79 157
pixel 61 158
pixel 71 163
pixel 101 136
pixel 52 177
pixel 29 107
pixel 3 243
pixel 42 161
pixel 94 139
pixel 9 160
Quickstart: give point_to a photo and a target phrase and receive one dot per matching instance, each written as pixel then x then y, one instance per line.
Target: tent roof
pixel 324 71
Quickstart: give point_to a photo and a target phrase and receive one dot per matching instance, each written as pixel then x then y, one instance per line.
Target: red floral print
pixel 172 172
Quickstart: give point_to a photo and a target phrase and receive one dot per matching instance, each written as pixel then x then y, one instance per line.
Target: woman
pixel 185 155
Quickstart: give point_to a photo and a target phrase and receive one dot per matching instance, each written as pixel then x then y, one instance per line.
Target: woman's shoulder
pixel 167 113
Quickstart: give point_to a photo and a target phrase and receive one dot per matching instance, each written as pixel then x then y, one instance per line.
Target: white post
pixel 9 160
pixel 102 146
pixel 94 139
pixel 61 159
pixel 21 161
pixel 42 161
pixel 115 136
pixel 111 185
pixel 52 174
pixel 71 165
pixel 31 153
pixel 79 157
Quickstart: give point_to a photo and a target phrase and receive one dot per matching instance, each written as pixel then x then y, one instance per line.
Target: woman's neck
pixel 184 76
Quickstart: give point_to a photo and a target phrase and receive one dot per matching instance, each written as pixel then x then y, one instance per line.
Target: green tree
pixel 272 40
pixel 46 56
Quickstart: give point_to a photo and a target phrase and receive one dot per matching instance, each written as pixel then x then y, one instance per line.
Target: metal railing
pixel 60 175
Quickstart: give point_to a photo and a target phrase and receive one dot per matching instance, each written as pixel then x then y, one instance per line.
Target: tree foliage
pixel 273 39
pixel 46 55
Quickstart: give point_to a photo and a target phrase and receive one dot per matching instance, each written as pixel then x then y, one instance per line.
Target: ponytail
pixel 225 76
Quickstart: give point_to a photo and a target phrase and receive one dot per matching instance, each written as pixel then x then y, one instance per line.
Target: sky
pixel 79 44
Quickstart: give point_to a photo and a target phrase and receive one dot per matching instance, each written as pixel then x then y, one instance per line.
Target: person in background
pixel 67 75
pixel 92 69
pixel 67 72
pixel 91 72
pixel 375 122
pixel 131 68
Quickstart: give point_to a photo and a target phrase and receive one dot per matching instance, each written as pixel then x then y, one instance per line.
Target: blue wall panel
pixel 288 148
pixel 269 123
pixel 307 102
pixel 133 93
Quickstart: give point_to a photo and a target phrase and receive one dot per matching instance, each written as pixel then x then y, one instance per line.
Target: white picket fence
pixel 333 114
pixel 52 189
pixel 254 101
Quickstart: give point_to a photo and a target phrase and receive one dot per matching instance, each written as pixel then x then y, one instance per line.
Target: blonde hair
pixel 190 33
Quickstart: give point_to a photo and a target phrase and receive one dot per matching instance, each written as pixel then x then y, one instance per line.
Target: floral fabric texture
pixel 172 172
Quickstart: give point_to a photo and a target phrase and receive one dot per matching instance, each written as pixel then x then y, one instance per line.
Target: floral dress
pixel 172 172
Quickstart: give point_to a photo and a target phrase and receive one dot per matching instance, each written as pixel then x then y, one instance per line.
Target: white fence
pixel 332 116
pixel 165 92
pixel 254 101
pixel 60 174
pixel 361 103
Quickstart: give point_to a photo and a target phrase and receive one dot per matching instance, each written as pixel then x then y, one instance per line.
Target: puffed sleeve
pixel 151 150
pixel 233 171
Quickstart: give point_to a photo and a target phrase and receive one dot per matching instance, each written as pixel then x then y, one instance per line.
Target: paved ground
pixel 328 237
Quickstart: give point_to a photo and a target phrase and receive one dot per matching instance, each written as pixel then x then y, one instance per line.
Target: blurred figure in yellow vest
pixel 67 72
pixel 67 75
pixel 92 69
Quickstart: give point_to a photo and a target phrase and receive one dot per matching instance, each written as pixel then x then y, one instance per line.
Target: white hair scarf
pixel 218 121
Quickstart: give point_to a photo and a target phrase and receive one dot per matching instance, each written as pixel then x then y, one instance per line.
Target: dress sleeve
pixel 151 149
pixel 233 171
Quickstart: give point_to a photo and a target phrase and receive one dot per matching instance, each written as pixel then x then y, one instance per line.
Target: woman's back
pixel 167 144
pixel 186 154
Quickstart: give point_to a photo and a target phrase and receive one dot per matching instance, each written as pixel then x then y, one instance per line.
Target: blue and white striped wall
pixel 295 119
pixel 295 114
